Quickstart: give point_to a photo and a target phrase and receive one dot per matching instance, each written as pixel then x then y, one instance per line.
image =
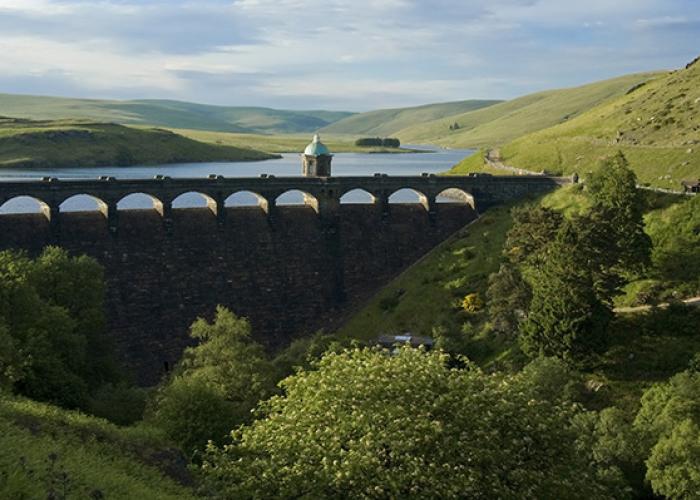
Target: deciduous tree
pixel 217 384
pixel 365 424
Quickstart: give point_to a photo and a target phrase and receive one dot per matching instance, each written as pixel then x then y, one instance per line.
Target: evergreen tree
pixel 534 227
pixel 508 298
pixel 566 319
pixel 614 232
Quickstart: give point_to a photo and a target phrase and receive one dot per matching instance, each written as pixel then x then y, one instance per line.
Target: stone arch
pixel 25 204
pixel 245 198
pixel 83 202
pixel 408 195
pixel 455 196
pixel 138 200
pixel 293 197
pixel 357 196
pixel 195 199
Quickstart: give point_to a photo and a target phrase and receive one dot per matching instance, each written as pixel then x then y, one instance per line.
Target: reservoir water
pixel 344 164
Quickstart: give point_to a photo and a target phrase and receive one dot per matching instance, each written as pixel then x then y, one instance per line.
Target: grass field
pixel 30 143
pixel 385 122
pixel 164 113
pixel 503 122
pixel 656 126
pixel 48 450
pixel 285 143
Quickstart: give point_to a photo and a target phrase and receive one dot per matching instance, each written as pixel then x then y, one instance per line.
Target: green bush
pixel 121 404
pixel 216 385
pixel 192 412
pixel 52 327
pixel 668 427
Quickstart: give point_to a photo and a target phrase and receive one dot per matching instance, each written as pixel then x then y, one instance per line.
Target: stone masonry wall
pixel 290 277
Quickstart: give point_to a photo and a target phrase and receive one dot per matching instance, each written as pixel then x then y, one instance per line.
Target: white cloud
pixel 36 7
pixel 91 63
pixel 340 53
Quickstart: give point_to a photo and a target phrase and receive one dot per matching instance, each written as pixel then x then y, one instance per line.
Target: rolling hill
pixel 72 143
pixel 164 113
pixel 656 126
pixel 385 122
pixel 503 122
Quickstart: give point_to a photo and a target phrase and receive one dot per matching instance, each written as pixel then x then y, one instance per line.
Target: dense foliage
pixel 364 424
pixel 565 319
pixel 52 345
pixel 676 237
pixel 217 384
pixel 618 246
pixel 668 426
pixel 387 142
pixel 561 274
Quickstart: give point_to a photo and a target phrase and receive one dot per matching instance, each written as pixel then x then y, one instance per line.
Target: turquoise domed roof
pixel 316 148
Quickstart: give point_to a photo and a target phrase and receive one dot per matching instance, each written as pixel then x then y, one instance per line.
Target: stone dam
pixel 291 270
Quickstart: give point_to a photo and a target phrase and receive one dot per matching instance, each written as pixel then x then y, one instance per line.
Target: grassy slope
pixel 26 143
pixel 505 121
pixel 165 113
pixel 286 143
pixel 428 294
pixel 385 122
pixel 657 126
pixel 95 455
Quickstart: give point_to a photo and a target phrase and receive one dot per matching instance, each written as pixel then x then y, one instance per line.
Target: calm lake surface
pixel 344 164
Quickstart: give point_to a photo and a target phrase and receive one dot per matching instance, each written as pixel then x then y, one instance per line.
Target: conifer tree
pixel 566 318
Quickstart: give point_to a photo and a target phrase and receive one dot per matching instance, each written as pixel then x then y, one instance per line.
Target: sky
pixel 350 55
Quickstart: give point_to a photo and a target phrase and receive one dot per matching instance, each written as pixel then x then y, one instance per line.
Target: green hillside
pixel 427 298
pixel 286 143
pixel 48 452
pixel 657 126
pixel 386 122
pixel 30 143
pixel 506 121
pixel 176 114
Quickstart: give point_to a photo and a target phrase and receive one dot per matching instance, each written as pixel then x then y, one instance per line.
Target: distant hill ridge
pixel 26 143
pixel 385 122
pixel 169 113
pixel 507 120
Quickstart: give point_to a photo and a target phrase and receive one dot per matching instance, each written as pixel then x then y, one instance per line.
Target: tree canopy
pixel 668 426
pixel 216 385
pixel 364 424
pixel 52 327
